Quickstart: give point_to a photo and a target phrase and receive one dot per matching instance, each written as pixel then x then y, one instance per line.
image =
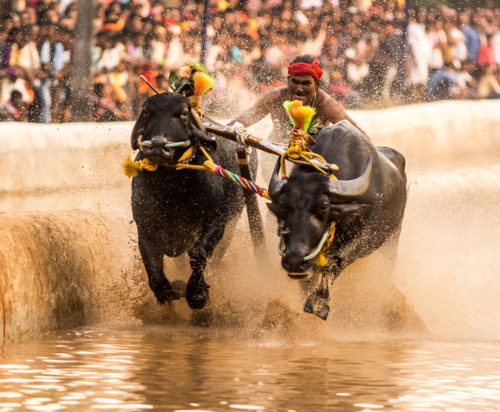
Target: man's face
pixel 303 88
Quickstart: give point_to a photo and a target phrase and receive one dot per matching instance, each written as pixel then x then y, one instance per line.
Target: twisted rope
pixel 241 181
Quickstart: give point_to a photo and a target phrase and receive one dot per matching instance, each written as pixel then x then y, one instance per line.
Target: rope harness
pixel 131 167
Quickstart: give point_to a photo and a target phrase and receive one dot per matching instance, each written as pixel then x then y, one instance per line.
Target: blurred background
pixel 81 60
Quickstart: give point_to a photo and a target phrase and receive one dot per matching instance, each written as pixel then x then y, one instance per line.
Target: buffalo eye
pixel 322 209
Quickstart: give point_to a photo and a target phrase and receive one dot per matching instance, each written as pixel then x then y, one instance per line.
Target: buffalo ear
pixel 274 208
pixel 134 137
pixel 346 210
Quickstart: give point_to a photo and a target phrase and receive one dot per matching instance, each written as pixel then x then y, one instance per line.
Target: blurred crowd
pixel 367 57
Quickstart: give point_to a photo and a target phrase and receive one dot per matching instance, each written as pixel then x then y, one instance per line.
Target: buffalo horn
pixel 355 187
pixel 196 119
pixel 277 183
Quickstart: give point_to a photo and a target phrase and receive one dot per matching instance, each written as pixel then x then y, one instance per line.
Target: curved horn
pixel 195 119
pixel 276 184
pixel 200 135
pixel 355 187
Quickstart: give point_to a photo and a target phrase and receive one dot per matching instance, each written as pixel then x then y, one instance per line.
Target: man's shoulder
pixel 324 99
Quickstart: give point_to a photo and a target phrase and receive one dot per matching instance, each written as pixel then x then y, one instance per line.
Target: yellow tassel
pixel 203 82
pixel 131 167
pixel 321 260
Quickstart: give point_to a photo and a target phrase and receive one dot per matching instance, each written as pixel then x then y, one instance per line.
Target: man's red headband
pixel 300 69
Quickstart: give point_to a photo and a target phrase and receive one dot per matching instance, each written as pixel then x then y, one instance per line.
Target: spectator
pixel 486 54
pixel 103 107
pixel 440 84
pixel 420 54
pixel 14 109
pixel 489 87
pixel 471 33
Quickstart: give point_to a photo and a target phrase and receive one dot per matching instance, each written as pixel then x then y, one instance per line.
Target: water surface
pixel 190 368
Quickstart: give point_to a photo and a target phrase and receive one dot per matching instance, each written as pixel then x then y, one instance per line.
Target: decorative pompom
pixel 301 116
pixel 203 82
pixel 321 260
pixel 129 167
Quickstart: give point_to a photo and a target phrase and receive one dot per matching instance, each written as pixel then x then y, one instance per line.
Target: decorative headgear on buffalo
pixel 301 69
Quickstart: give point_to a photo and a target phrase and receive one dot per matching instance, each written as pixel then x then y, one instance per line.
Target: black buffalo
pixel 366 204
pixel 179 211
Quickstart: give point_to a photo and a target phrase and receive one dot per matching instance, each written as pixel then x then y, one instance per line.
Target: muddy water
pixel 260 351
pixel 186 368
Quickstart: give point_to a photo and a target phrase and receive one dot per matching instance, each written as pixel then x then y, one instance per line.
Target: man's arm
pixel 260 109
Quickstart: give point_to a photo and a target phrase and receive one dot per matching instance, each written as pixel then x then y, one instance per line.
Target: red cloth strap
pixel 300 69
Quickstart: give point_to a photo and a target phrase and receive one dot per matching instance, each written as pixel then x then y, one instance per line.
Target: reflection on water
pixel 206 369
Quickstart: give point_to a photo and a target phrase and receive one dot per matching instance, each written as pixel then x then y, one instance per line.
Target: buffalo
pixel 185 210
pixel 365 204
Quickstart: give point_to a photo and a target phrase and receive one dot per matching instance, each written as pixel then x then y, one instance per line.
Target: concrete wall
pixel 431 136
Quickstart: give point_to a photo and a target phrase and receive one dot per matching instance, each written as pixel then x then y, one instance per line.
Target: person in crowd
pixel 420 55
pixel 104 109
pixel 486 53
pixel 440 84
pixel 488 86
pixel 471 33
pixel 14 109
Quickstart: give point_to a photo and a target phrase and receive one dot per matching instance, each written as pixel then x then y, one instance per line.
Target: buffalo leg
pixel 197 288
pixel 153 262
pixel 318 301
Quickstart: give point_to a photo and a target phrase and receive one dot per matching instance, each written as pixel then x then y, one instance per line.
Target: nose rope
pixel 183 143
pixel 131 167
pixel 319 251
pixel 323 245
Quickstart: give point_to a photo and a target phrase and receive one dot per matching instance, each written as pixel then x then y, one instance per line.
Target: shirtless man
pixel 304 82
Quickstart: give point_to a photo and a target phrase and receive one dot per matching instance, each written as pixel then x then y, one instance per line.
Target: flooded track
pixel 68 259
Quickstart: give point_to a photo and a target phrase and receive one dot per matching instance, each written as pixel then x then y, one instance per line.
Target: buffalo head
pixel 167 118
pixel 307 205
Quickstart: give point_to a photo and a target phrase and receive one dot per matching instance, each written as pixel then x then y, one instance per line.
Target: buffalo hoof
pixel 317 306
pixel 197 292
pixel 163 290
pixel 166 294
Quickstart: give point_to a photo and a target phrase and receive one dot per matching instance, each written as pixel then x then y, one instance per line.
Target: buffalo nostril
pixel 159 141
pixel 285 265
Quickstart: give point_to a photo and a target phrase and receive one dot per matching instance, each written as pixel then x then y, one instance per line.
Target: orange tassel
pixel 300 116
pixel 203 82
